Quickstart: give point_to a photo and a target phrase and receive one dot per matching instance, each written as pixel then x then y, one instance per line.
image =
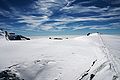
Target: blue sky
pixel 69 17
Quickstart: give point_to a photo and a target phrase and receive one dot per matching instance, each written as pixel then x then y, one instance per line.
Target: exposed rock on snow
pixel 24 71
pixel 9 75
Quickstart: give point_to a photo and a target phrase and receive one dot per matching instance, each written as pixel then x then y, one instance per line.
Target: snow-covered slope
pixel 79 58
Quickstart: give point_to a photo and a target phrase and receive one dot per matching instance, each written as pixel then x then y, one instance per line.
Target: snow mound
pixel 24 71
pixel 99 71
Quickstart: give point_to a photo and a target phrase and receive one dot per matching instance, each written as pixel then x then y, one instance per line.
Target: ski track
pixel 111 62
pixel 111 58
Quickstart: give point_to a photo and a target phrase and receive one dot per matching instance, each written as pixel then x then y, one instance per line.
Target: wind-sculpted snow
pixel 109 65
pixel 79 58
pixel 25 70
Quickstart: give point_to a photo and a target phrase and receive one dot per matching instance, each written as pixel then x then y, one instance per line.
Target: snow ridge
pixel 103 64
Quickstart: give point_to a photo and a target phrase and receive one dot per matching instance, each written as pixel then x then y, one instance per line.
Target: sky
pixel 60 17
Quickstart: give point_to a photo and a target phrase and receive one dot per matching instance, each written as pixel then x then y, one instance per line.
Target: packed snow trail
pixel 112 62
pixel 105 62
pixel 110 57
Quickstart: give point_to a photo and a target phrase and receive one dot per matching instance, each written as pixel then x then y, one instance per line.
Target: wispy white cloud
pixel 115 25
pixel 70 19
pixel 46 28
pixel 111 12
pixel 32 21
pixel 101 28
pixel 4 13
pixel 37 22
pixel 115 2
pixel 106 11
pixel 4 25
pixel 60 28
pixel 81 27
pixel 81 9
pixel 46 6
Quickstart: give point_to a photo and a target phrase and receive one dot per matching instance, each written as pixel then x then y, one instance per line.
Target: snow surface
pixel 76 58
